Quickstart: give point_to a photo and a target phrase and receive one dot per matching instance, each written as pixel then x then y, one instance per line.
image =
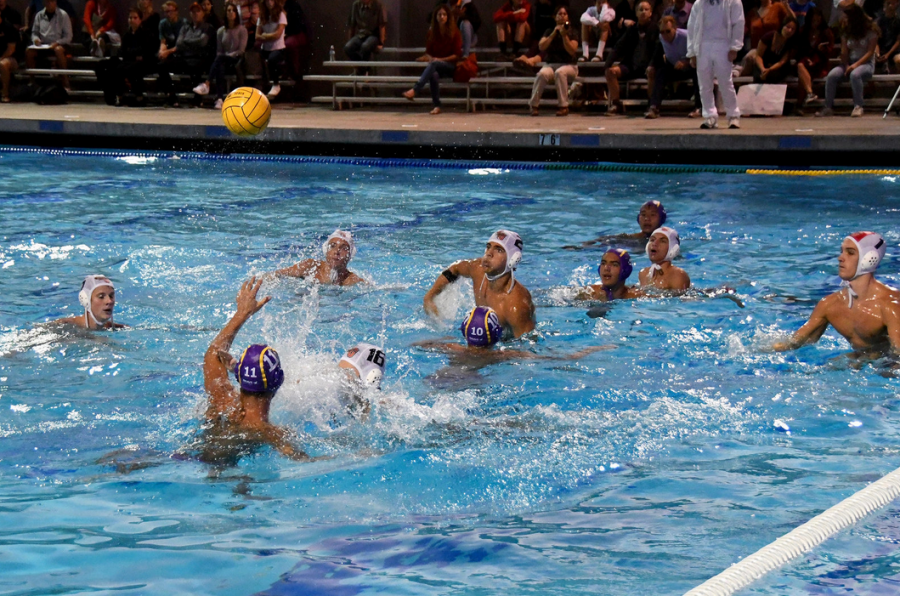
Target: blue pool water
pixel 642 470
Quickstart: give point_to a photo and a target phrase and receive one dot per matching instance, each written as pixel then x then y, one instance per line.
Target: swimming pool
pixel 642 470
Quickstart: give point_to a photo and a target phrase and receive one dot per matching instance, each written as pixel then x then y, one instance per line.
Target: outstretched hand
pixel 247 304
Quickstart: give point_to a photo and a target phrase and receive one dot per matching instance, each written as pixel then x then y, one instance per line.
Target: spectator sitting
pixel 37 6
pixel 775 52
pixel 366 30
pixel 560 45
pixel 442 50
pixel 190 54
pixel 512 22
pixel 9 39
pixel 671 64
pixel 251 20
pixel 169 32
pixel 595 23
pixel 889 25
pixel 859 40
pixel 801 8
pixel 681 10
pixel 270 31
pixel 231 42
pixel 813 53
pixel 210 17
pixel 100 26
pixel 51 31
pixel 469 22
pixel 149 17
pixel 136 59
pixel 768 17
pixel 631 55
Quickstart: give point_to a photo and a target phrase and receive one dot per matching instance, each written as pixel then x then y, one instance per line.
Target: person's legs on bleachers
pixel 352 47
pixel 543 78
pixel 563 75
pixel 369 47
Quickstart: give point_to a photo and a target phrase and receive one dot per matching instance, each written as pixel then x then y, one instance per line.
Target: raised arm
pixel 448 276
pixel 810 332
pixel 223 397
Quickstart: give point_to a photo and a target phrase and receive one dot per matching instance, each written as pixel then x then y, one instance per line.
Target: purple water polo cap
pixel 259 369
pixel 625 266
pixel 481 327
pixel 659 209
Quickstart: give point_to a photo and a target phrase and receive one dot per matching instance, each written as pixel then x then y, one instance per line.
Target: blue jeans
pixel 361 49
pixel 469 38
pixel 432 75
pixel 858 79
pixel 272 70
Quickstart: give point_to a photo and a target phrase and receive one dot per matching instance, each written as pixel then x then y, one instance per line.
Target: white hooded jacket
pixel 697 29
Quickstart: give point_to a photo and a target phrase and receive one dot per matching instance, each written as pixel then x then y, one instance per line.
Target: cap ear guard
pixel 514 260
pixel 374 378
pixel 84 298
pixel 869 261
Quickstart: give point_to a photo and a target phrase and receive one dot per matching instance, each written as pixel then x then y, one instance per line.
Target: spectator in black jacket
pixel 135 60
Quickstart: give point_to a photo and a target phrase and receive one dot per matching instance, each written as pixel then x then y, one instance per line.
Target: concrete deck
pixel 411 132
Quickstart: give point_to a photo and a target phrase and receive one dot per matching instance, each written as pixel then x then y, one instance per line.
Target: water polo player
pixel 493 282
pixel 651 216
pixel 364 365
pixel 339 249
pixel 98 298
pixel 242 412
pixel 865 311
pixel 664 245
pixel 615 268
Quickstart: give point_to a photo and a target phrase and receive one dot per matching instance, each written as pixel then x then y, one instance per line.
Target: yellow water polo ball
pixel 246 111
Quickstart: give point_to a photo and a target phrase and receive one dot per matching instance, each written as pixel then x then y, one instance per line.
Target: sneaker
pixel 734 123
pixel 824 113
pixel 857 112
pixel 219 103
pixel 202 89
pixel 810 97
pixel 709 124
pixel 652 113
pixel 274 91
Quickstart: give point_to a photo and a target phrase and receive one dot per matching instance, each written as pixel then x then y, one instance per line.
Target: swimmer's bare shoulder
pixel 353 279
pixel 79 322
pixel 302 269
pixel 518 310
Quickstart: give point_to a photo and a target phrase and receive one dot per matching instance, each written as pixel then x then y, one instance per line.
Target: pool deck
pixel 789 142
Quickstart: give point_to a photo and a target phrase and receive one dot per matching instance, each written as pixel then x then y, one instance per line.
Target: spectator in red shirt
pixel 100 26
pixel 512 22
pixel 442 50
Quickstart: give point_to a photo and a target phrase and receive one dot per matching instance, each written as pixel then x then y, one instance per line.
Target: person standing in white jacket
pixel 715 34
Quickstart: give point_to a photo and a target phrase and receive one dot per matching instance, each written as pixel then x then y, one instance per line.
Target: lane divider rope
pixel 803 538
pixel 448 164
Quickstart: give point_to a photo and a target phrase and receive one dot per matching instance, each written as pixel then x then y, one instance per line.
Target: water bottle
pixel 331 54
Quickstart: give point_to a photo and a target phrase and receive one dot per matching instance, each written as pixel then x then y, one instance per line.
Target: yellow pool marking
pixel 824 172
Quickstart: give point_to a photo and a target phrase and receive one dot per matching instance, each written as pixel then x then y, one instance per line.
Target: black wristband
pixel 451 277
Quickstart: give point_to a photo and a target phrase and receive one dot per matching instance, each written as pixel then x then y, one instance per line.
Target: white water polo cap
pixel 871 247
pixel 368 361
pixel 674 242
pixel 91 283
pixel 340 235
pixel 512 244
